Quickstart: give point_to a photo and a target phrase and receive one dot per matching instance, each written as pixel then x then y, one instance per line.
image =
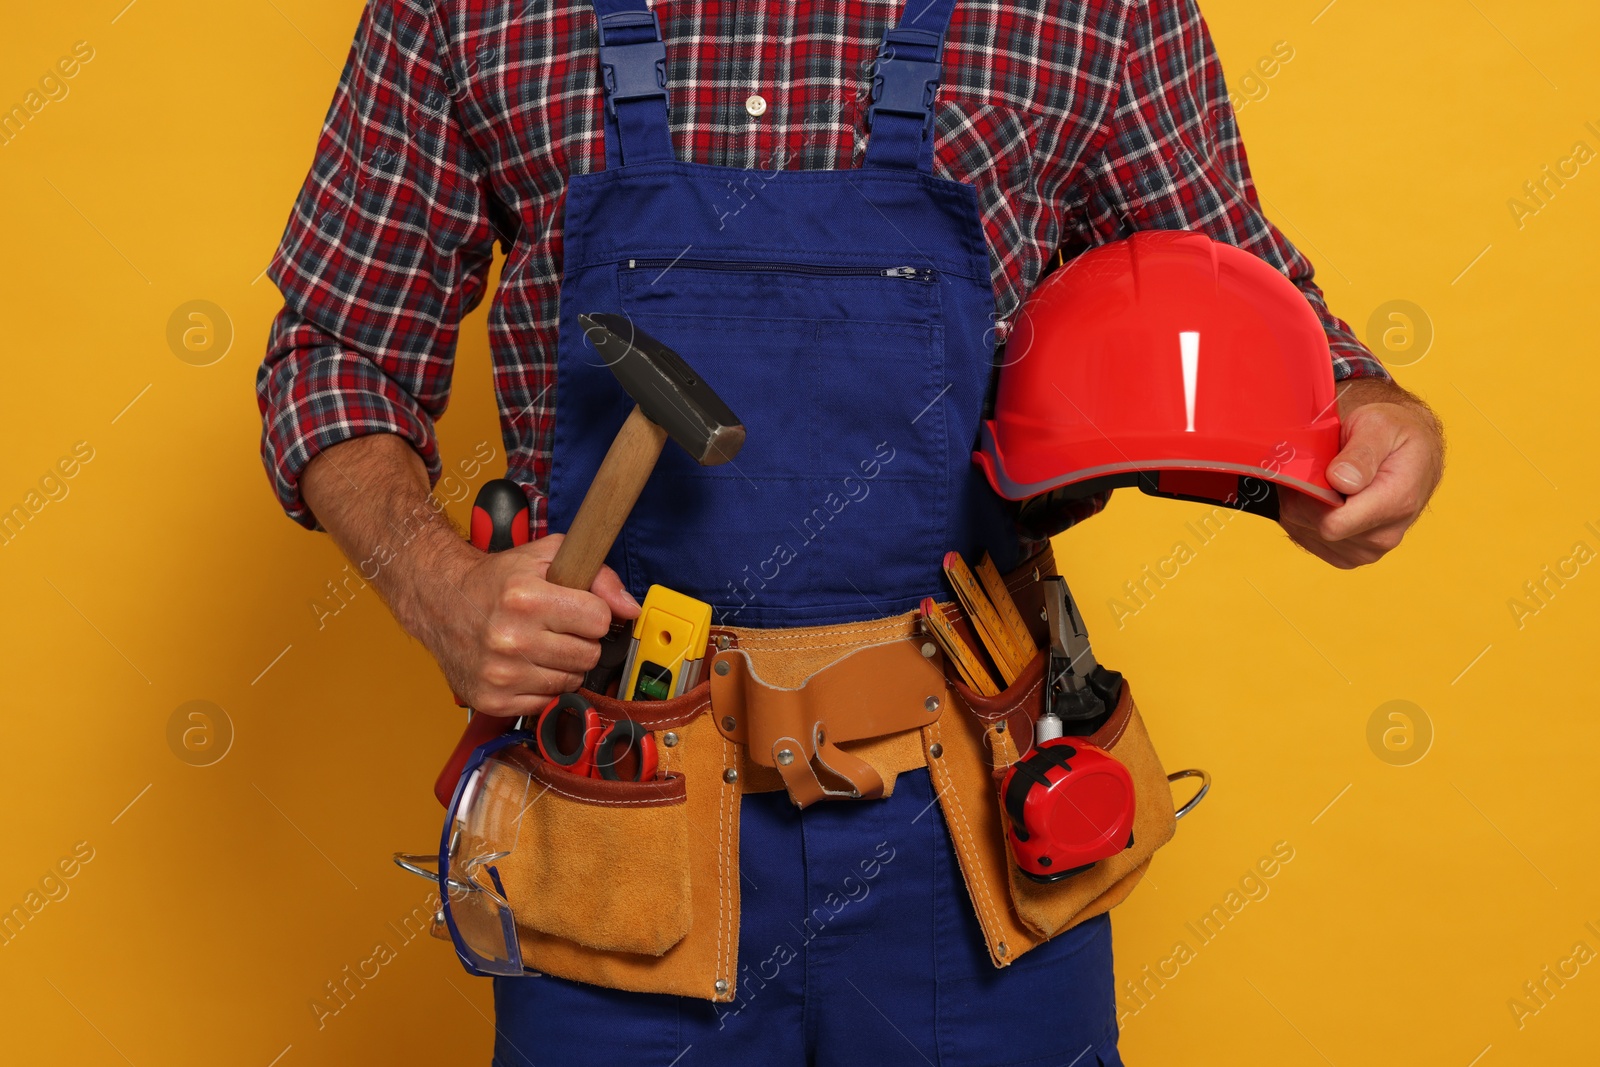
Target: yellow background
pixel 217 905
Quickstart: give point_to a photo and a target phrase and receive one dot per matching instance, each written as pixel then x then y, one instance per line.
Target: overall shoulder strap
pixel 633 74
pixel 905 78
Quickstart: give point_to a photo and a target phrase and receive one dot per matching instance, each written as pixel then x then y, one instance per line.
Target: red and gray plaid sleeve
pixel 1172 158
pixel 387 248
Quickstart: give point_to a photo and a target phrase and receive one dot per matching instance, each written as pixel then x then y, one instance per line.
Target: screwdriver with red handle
pixel 500 520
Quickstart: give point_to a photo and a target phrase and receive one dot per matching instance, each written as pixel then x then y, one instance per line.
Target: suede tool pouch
pixel 976 751
pixel 599 863
pixel 635 885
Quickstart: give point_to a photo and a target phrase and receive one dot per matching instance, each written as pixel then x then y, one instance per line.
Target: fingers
pixel 521 673
pixel 1346 536
pixel 528 663
pixel 1393 499
pixel 534 640
pixel 587 614
pixel 1321 549
pixel 560 652
pixel 514 640
pixel 573 611
pixel 1383 473
pixel 1370 435
pixel 609 588
pixel 525 598
pixel 1358 532
pixel 1301 517
pixel 1300 509
pixel 1346 555
pixel 507 702
pixel 523 645
pixel 1385 501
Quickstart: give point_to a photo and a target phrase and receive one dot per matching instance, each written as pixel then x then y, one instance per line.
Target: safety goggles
pixel 482 830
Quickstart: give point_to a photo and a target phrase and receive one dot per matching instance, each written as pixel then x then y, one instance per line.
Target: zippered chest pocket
pixel 756 270
pixel 838 373
pixel 824 363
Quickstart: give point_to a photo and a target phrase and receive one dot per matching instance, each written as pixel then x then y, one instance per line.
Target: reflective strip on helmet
pixel 1012 490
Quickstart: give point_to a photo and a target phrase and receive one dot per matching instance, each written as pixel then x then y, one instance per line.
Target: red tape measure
pixel 1071 805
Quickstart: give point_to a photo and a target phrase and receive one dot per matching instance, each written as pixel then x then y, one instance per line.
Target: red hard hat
pixel 1170 361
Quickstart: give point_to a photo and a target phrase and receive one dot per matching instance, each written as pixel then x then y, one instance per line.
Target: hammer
pixel 670 400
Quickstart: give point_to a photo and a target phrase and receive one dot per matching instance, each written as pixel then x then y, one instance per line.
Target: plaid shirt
pixel 456 123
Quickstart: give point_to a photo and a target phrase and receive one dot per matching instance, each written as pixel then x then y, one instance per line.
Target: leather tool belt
pixel 826 713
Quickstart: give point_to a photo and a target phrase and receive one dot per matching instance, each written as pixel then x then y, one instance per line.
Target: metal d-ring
pixel 1205 787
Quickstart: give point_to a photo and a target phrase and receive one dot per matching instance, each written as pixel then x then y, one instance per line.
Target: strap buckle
pixel 907 73
pixel 872 691
pixel 632 69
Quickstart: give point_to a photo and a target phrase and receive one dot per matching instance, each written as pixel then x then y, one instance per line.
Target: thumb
pixel 608 587
pixel 544 548
pixel 1369 439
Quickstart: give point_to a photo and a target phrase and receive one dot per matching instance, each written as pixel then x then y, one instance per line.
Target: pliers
pixel 1076 686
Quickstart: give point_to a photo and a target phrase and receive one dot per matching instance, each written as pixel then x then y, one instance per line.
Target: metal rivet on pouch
pixel 928 649
pixel 722 985
pixel 723 642
pixel 1001 949
pixel 932 703
pixel 999 727
pixel 785 757
pixel 721 667
pixel 936 750
pixel 669 739
pixel 729 722
pixel 730 776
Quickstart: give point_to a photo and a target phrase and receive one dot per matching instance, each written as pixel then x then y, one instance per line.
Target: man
pixel 827 185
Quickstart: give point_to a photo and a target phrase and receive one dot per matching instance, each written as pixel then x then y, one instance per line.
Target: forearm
pixel 371 493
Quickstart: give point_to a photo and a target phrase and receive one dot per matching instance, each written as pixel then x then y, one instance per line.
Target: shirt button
pixel 756 104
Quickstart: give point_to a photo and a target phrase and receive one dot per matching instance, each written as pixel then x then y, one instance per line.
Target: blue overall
pixel 845 316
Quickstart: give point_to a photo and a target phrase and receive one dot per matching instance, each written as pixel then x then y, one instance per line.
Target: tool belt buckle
pixel 870 692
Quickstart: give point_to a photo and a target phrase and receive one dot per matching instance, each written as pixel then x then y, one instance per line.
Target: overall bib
pixel 846 318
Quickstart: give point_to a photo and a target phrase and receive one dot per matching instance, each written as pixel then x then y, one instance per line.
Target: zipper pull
pixel 916 273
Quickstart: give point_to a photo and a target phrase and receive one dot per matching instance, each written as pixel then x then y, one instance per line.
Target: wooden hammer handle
pixel 616 488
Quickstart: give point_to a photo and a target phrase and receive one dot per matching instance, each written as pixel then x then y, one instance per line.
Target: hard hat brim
pixel 1289 475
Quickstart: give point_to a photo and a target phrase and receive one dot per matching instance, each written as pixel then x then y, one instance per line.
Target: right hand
pixel 508 641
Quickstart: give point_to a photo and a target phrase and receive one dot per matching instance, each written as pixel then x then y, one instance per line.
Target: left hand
pixel 1390 460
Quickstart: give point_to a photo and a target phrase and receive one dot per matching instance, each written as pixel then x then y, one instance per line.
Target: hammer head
pixel 666 389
